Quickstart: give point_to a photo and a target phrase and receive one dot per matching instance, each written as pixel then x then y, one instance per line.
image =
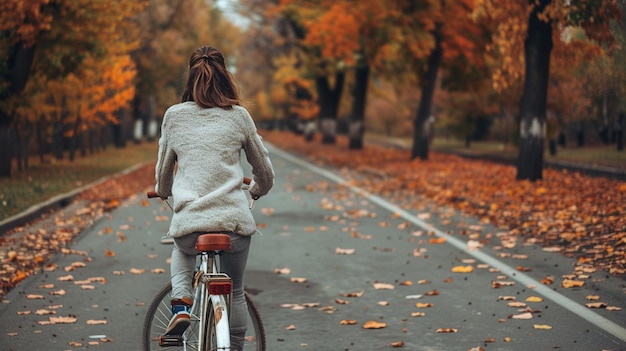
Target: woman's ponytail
pixel 210 84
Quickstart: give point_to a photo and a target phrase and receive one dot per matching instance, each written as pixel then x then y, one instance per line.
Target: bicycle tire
pixel 256 323
pixel 159 314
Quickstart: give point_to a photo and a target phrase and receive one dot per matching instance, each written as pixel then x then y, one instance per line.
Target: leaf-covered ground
pixel 581 216
pixel 28 249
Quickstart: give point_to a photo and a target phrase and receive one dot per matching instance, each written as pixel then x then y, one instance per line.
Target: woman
pixel 199 166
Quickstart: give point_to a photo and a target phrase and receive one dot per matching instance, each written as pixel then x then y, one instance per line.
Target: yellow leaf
pixel 463 269
pixel 542 326
pixel 534 299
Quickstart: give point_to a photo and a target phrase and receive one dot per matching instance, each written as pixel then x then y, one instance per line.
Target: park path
pixel 330 255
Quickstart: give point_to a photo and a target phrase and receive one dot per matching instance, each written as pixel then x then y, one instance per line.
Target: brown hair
pixel 209 83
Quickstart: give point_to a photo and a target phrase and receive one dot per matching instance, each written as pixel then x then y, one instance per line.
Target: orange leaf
pixel 374 325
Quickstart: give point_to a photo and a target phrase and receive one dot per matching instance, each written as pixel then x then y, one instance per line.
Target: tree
pixel 535 21
pixel 66 32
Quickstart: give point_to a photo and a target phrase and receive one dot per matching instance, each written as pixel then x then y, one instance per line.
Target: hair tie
pixel 205 56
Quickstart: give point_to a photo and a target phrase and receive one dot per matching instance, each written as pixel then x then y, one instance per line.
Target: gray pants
pixel 232 262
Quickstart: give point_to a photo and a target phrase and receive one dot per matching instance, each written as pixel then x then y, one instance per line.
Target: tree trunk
pixel 6 145
pixel 420 128
pixel 537 47
pixel 119 129
pixel 57 140
pixel 329 105
pixel 41 140
pixel 17 70
pixel 357 121
pixel 620 131
pixel 74 139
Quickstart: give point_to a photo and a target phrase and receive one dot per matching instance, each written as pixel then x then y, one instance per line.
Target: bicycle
pixel 209 329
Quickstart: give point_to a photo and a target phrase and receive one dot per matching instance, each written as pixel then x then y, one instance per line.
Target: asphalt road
pixel 329 241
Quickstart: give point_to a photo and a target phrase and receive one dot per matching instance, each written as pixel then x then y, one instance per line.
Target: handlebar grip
pixel 152 194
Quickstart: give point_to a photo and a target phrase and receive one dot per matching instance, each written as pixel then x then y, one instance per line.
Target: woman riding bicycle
pixel 199 166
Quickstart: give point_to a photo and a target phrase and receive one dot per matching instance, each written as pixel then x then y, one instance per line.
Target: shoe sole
pixel 178 327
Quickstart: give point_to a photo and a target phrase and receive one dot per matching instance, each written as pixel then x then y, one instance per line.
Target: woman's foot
pixel 180 317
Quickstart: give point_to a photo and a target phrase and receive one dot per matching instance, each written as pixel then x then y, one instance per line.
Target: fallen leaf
pixel 397 344
pixel 424 305
pixel 282 270
pixel 137 271
pixel 341 251
pixel 497 284
pixel 542 326
pixel 384 286
pixel 447 330
pixel 374 325
pixel 42 312
pixel 353 294
pixel 516 304
pixel 435 241
pixel 534 299
pixel 569 283
pixel 66 278
pixel 291 327
pixel 299 280
pixel 348 322
pixel 526 315
pixel 596 305
pixel 462 269
pixel 63 320
pixel 97 322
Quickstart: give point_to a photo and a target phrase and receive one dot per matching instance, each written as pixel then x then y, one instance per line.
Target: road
pixel 329 253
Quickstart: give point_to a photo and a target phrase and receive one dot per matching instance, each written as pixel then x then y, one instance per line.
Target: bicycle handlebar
pixel 152 194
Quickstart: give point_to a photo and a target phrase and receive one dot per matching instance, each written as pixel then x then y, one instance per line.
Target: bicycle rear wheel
pixel 159 314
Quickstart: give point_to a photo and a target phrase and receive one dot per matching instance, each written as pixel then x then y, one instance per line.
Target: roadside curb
pixel 56 202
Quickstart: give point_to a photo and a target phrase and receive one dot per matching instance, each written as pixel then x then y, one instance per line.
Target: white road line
pixel 565 302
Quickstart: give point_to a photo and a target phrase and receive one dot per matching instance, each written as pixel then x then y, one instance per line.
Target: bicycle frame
pixel 217 288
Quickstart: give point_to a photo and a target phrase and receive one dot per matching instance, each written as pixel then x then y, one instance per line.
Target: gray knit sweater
pixel 206 187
